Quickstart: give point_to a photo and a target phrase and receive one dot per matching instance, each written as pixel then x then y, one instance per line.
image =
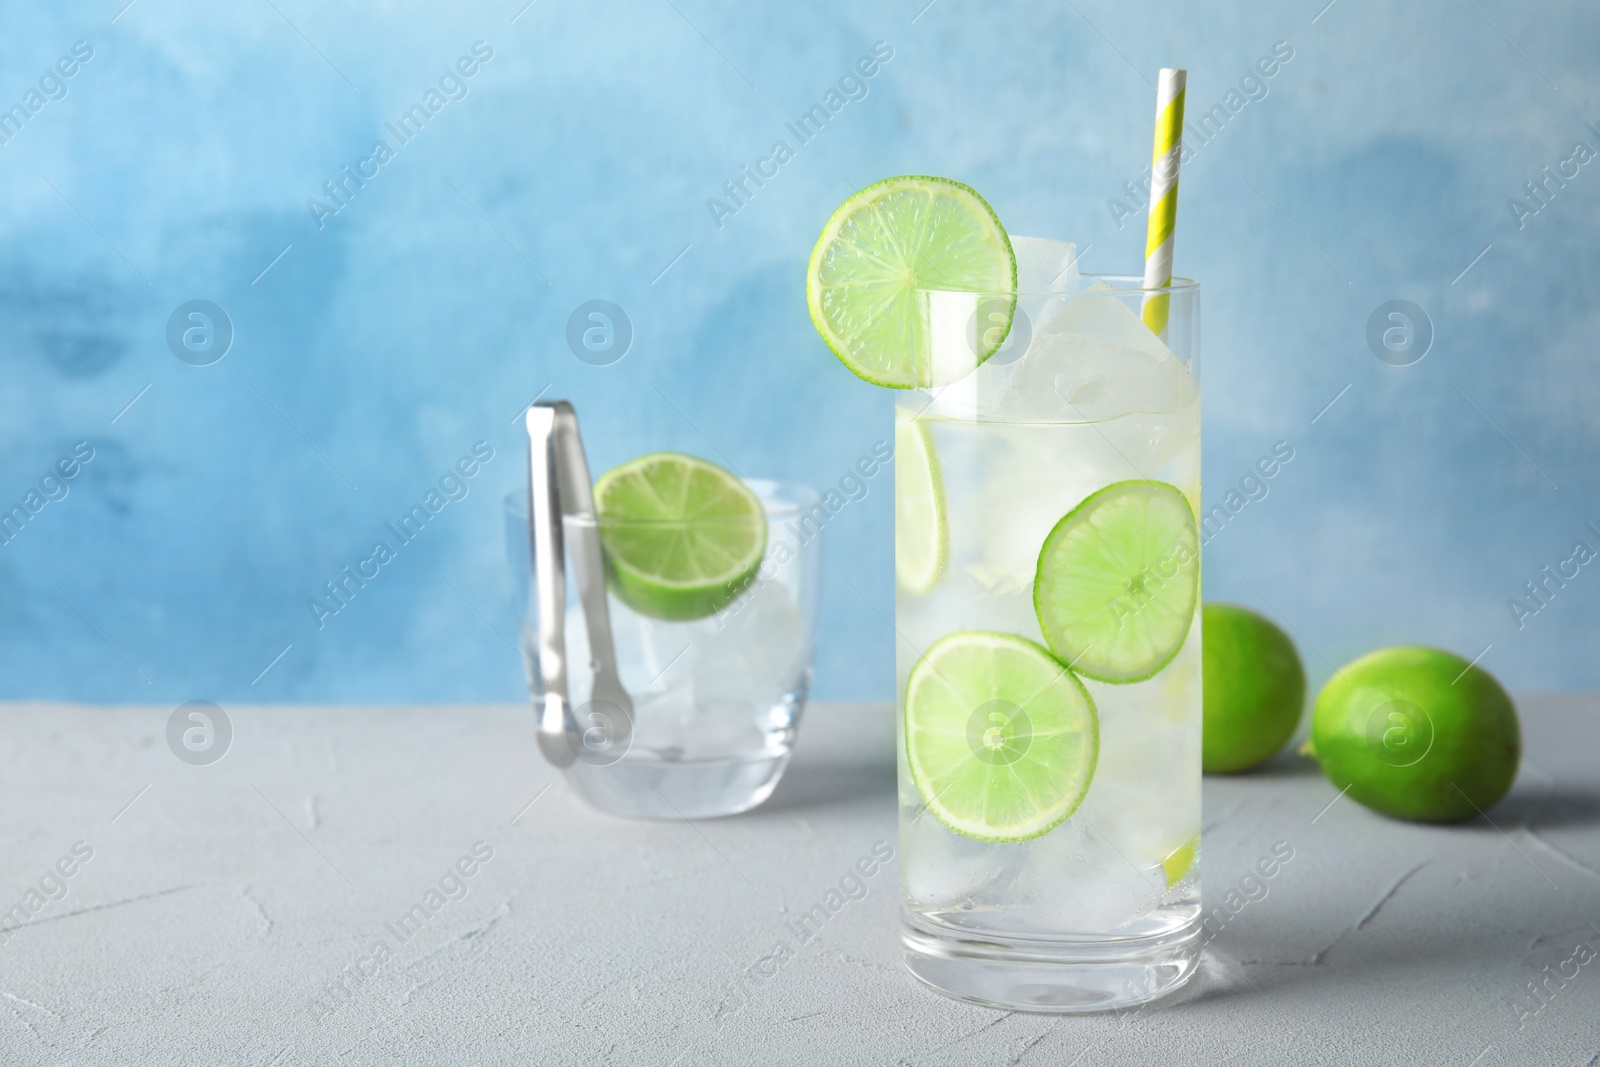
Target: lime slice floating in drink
pixel 1180 861
pixel 921 533
pixel 682 537
pixel 1117 581
pixel 1001 739
pixel 885 243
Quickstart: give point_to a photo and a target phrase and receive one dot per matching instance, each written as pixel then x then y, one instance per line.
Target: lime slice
pixel 1001 739
pixel 682 537
pixel 1180 861
pixel 885 243
pixel 1118 579
pixel 921 534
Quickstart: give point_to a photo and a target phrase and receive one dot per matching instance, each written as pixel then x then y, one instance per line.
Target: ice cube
pixel 1086 357
pixel 1090 360
pixel 653 663
pixel 749 655
pixel 1075 881
pixel 1145 797
pixel 650 653
pixel 957 322
pixel 1044 265
pixel 944 870
pixel 705 685
pixel 1027 480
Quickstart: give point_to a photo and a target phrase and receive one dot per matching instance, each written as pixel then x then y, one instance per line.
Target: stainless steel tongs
pixel 558 485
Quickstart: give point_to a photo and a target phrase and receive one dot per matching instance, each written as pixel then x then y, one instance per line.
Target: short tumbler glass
pixel 716 700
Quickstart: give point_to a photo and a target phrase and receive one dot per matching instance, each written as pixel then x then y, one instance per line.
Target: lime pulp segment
pixel 879 249
pixel 1001 739
pixel 921 530
pixel 1117 581
pixel 682 537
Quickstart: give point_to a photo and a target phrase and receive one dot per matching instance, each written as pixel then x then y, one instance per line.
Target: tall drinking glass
pixel 1048 663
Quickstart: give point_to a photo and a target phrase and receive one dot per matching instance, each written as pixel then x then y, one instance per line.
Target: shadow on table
pixel 1370 964
pixel 1286 764
pixel 1559 805
pixel 814 784
pixel 1355 962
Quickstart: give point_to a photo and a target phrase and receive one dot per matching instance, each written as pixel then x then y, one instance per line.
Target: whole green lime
pixel 1418 734
pixel 1255 688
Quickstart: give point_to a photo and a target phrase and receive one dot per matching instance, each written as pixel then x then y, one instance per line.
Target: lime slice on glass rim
pixel 1001 739
pixel 1118 579
pixel 682 537
pixel 921 532
pixel 884 244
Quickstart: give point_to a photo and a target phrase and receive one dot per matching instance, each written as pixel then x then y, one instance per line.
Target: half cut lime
pixel 682 537
pixel 1001 739
pixel 879 249
pixel 1117 581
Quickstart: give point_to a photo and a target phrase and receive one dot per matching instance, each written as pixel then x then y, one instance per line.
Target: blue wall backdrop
pixel 560 152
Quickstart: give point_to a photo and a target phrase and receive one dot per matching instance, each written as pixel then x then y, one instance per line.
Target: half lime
pixel 1118 579
pixel 1001 739
pixel 682 537
pixel 881 247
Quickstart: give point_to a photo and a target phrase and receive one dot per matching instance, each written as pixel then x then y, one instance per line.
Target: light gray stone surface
pixel 223 903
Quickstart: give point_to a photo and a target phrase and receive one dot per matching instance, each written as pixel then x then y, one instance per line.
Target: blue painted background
pixel 374 347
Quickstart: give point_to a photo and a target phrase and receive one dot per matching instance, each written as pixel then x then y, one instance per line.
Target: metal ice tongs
pixel 558 485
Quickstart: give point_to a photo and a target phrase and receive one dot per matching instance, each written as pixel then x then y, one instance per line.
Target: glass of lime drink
pixel 1047 610
pixel 710 592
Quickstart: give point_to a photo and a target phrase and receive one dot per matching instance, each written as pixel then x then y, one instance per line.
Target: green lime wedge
pixel 682 537
pixel 885 243
pixel 1117 581
pixel 921 534
pixel 1001 739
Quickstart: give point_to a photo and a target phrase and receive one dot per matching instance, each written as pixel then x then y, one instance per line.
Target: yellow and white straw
pixel 1163 195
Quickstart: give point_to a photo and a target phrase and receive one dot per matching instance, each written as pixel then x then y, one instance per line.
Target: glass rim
pixel 803 497
pixel 1177 285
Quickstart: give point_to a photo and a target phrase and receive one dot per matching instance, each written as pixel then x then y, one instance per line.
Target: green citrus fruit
pixel 876 257
pixel 1255 688
pixel 682 537
pixel 1418 734
pixel 1001 739
pixel 1117 581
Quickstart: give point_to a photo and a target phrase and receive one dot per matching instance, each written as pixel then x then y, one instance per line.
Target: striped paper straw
pixel 1163 195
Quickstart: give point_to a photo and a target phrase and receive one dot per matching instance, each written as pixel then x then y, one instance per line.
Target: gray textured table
pixel 259 910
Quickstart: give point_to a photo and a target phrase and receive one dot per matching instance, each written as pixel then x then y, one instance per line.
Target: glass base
pixel 678 789
pixel 1053 976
